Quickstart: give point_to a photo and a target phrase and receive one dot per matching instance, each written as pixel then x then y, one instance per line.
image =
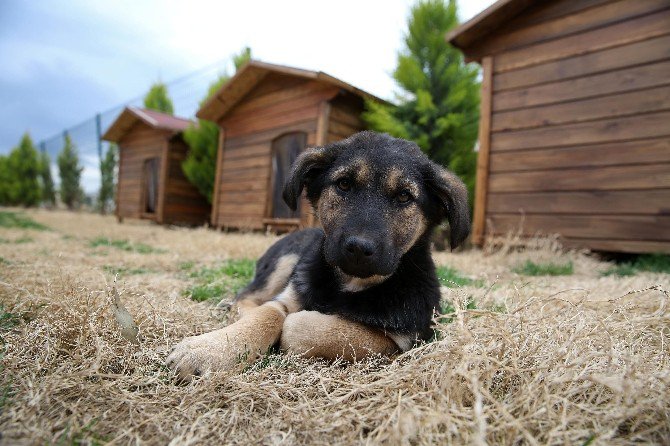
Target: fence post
pixel 98 132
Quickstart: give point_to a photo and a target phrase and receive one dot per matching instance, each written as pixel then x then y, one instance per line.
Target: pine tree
pixel 439 102
pixel 69 171
pixel 203 140
pixel 107 170
pixel 5 181
pixel 24 170
pixel 48 190
pixel 157 98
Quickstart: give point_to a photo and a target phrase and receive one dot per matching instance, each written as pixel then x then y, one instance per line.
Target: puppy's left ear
pixel 305 169
pixel 453 197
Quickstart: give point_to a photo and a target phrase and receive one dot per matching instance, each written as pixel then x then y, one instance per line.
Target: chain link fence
pixel 186 93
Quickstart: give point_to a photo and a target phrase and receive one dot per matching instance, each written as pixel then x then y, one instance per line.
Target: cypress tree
pixel 24 170
pixel 203 140
pixel 439 94
pixel 107 170
pixel 48 190
pixel 70 171
pixel 158 98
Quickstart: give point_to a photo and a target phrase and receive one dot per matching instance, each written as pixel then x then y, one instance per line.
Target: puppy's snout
pixel 359 247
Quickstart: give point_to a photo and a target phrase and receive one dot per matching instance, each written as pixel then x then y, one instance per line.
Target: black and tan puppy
pixel 365 283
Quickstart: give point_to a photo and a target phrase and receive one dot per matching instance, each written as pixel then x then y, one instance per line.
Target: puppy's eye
pixel 343 184
pixel 404 197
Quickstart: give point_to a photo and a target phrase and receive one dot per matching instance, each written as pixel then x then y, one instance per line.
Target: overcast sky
pixel 64 61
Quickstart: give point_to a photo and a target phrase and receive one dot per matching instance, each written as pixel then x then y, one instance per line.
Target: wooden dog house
pixel 151 184
pixel 267 115
pixel 575 121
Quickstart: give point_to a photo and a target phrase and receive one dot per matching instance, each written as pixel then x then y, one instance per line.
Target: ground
pixel 520 357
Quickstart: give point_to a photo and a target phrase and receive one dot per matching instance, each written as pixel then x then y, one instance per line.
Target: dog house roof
pixel 486 22
pixel 251 74
pixel 131 115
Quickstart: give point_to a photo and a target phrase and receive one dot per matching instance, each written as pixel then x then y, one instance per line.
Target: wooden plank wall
pixel 580 124
pixel 183 202
pixel 278 105
pixel 345 117
pixel 138 145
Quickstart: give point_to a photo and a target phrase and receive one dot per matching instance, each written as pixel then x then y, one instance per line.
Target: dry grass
pixel 579 359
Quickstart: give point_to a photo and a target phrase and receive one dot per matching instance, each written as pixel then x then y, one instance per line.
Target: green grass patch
pixel 224 280
pixel 8 320
pixel 124 245
pixel 20 240
pixel 531 268
pixel 125 271
pixel 18 220
pixel 451 278
pixel 186 266
pixel 273 357
pixel 74 437
pixel 652 263
pixel 4 261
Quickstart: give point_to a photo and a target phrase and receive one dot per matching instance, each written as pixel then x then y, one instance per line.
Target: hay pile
pixel 569 360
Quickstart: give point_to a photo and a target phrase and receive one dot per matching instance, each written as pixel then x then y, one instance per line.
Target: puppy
pixel 362 284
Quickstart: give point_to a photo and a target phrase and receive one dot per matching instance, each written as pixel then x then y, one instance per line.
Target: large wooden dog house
pixel 575 121
pixel 151 184
pixel 267 115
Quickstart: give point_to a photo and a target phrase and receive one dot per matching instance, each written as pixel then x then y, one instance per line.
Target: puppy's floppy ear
pixel 308 165
pixel 453 197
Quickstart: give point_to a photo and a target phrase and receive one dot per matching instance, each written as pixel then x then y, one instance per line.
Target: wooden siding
pixel 138 145
pixel 279 104
pixel 344 118
pixel 179 201
pixel 580 124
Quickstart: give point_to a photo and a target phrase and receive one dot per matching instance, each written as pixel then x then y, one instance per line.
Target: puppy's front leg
pixel 231 347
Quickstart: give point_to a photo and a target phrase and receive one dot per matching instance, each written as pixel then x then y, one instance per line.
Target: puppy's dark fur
pixel 378 200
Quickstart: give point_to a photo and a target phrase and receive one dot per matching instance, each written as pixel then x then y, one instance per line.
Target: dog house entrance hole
pixel 285 150
pixel 150 185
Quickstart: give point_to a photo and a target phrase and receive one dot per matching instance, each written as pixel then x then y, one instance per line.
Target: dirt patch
pixel 572 359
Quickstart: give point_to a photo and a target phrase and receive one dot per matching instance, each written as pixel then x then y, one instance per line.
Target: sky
pixel 65 61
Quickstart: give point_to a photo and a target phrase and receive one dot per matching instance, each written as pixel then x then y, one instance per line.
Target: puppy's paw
pixel 229 348
pixel 223 349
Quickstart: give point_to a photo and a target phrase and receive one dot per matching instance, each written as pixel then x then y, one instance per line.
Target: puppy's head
pixel 375 197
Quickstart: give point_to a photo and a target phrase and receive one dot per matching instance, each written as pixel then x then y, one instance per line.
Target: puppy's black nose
pixel 359 246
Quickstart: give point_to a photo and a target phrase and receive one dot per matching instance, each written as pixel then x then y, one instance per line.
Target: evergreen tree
pixel 5 181
pixel 48 190
pixel 107 169
pixel 69 171
pixel 203 140
pixel 24 170
pixel 158 99
pixel 439 103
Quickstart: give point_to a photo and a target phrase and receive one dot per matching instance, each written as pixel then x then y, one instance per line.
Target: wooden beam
pixel 217 177
pixel 117 207
pixel 162 186
pixel 322 124
pixel 479 224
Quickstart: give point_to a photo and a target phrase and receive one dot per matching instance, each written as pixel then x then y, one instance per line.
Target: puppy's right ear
pixel 306 168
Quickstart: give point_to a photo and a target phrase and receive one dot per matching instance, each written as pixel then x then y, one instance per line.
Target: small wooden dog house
pixel 267 115
pixel 575 121
pixel 151 184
